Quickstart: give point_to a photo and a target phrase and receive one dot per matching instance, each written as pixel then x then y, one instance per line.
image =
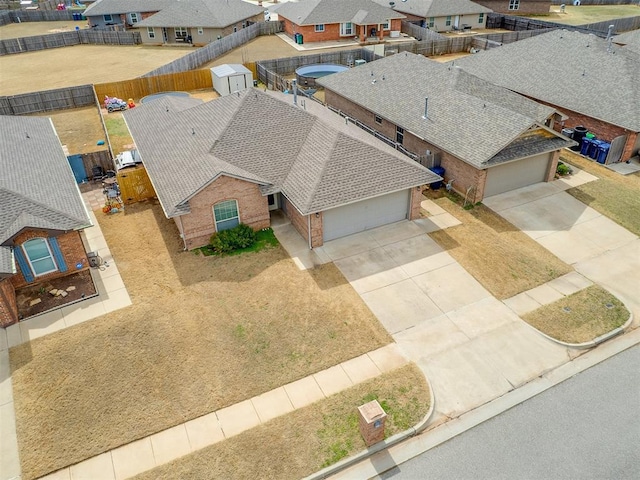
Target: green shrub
pixel 563 169
pixel 235 238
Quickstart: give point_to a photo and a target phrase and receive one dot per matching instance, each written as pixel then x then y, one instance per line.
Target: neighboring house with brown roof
pixel 234 159
pixel 167 21
pixel 42 211
pixel 328 20
pixel 488 139
pixel 442 15
pixel 592 82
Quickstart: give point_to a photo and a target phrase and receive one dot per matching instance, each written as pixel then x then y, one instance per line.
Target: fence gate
pixel 77 166
pixel 615 151
pixel 135 185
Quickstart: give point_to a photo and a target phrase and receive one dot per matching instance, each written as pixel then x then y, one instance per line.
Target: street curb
pixel 596 341
pixel 387 443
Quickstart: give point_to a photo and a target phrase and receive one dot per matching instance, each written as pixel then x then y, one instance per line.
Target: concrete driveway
pixel 471 346
pixel 596 246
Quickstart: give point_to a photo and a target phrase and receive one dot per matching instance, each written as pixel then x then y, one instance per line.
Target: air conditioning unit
pixel 94 259
pixel 394 34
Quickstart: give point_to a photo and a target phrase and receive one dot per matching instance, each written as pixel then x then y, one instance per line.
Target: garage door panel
pixel 361 216
pixel 510 176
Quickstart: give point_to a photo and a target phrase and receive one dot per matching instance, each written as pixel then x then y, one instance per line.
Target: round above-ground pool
pixel 307 75
pixel 155 96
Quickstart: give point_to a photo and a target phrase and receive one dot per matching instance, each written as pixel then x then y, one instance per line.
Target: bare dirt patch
pixel 580 317
pixel 496 253
pixel 30 29
pixel 80 65
pixel 615 196
pixel 302 442
pixel 202 333
pixel 585 14
pixel 79 129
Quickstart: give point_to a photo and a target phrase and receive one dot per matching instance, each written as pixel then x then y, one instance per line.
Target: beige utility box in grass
pixel 372 421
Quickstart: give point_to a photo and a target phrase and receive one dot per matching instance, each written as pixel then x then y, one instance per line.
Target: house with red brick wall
pixel 329 20
pixel 41 210
pixel 488 139
pixel 234 159
pixel 518 7
pixel 591 81
pixel 442 15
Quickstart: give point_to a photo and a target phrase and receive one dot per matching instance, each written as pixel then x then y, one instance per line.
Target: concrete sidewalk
pixel 163 447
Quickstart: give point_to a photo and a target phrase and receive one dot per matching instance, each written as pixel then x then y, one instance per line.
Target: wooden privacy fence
pixel 66 39
pixel 509 22
pixel 217 48
pixel 141 87
pixel 420 33
pixel 135 185
pixel 45 101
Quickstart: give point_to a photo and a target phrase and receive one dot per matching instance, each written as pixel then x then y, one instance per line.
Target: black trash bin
pixel 578 134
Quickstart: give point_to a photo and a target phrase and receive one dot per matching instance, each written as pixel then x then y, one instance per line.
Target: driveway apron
pixel 470 346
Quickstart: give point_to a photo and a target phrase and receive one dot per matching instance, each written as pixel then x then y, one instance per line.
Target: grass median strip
pixel 613 195
pixel 306 440
pixel 501 257
pixel 203 333
pixel 580 317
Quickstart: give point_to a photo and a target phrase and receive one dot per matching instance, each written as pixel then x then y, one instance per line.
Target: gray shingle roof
pixel 437 8
pixel 310 155
pixel 468 117
pixel 7 266
pixel 571 70
pixel 316 12
pixel 630 40
pixel 202 13
pixel 37 186
pixel 108 7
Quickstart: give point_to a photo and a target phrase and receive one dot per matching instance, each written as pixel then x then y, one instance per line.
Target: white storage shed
pixel 230 78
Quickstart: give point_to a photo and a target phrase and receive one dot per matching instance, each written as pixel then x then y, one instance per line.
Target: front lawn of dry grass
pixel 580 317
pixel 502 258
pixel 202 333
pixel 306 440
pixel 613 195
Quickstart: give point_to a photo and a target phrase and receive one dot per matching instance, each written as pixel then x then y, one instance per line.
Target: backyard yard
pixel 79 129
pixel 202 333
pixel 505 260
pixel 585 14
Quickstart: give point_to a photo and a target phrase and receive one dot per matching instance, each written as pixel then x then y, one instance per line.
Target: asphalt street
pixel 587 427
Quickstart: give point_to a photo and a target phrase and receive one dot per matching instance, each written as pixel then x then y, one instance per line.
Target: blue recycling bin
pixel 603 151
pixel 438 171
pixel 593 148
pixel 584 146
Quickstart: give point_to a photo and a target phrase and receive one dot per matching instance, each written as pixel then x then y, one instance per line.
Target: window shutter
pixel 57 254
pixel 22 263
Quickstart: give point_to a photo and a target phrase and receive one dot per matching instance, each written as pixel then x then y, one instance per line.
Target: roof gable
pixel 107 7
pixel 437 8
pixel 202 13
pixel 572 70
pixel 467 116
pixel 315 12
pixel 37 186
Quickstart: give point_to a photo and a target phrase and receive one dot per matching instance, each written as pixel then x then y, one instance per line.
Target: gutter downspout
pixel 184 240
pixel 309 230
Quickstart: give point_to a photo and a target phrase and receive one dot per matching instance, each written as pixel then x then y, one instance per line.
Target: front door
pixel 456 22
pixel 272 200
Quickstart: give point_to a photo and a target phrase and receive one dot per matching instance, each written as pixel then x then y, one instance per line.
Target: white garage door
pixel 361 216
pixel 516 174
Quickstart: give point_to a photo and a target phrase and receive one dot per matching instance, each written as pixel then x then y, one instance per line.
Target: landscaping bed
pixel 306 440
pixel 202 333
pixel 502 258
pixel 580 317
pixel 613 195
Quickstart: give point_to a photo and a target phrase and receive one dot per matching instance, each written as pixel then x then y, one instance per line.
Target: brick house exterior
pixel 517 7
pixel 198 225
pixel 331 31
pixel 8 305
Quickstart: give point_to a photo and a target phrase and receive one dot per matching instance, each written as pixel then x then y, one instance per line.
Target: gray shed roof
pixel 310 155
pixel 437 8
pixel 37 186
pixel 202 13
pixel 315 12
pixel 467 117
pixel 229 69
pixel 571 70
pixel 108 7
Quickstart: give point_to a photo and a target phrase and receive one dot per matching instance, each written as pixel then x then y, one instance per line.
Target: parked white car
pixel 129 158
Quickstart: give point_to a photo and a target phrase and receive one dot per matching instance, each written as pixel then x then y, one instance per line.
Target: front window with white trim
pixel 319 28
pixel 481 18
pixel 39 256
pixel 514 4
pixel 346 29
pixel 151 32
pixel 133 18
pixel 181 32
pixel 107 18
pixel 225 215
pixel 386 25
